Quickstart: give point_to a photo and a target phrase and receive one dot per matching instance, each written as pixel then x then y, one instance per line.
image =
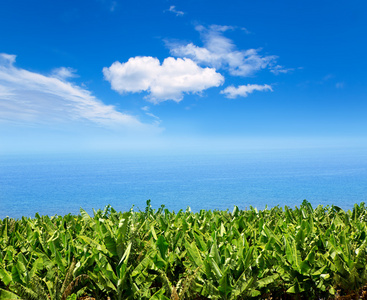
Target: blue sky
pixel 137 75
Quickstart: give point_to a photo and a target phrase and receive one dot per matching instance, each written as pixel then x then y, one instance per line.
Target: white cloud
pixel 5 92
pixel 243 90
pixel 220 52
pixel 278 69
pixel 156 118
pixel 64 73
pixel 7 60
pixel 245 30
pixel 166 81
pixel 173 9
pixel 33 98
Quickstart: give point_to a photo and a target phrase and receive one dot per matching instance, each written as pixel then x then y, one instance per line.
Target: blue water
pixel 61 184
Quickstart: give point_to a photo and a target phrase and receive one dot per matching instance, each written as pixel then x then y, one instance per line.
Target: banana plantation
pixel 277 253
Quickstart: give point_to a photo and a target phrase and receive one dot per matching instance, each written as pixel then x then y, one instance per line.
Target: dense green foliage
pixel 157 254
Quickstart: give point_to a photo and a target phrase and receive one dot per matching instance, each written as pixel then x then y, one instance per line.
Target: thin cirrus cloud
pixel 167 81
pixel 278 69
pixel 32 98
pixel 173 9
pixel 220 52
pixel 243 90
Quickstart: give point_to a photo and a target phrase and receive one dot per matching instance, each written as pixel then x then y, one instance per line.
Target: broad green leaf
pixel 93 243
pixel 125 257
pixel 224 284
pixel 5 276
pixel 194 254
pixel 162 246
pixel 200 241
pixel 243 285
pixel 215 269
pixel 159 295
pixel 267 280
pixel 215 254
pixel 110 244
pixel 153 232
pixel 296 288
pixel 7 295
pixel 84 215
pixel 145 263
pixel 72 297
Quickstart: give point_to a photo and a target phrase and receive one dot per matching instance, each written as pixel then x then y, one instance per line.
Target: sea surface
pixel 62 184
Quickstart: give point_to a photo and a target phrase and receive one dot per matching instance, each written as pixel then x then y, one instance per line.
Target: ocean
pixel 62 184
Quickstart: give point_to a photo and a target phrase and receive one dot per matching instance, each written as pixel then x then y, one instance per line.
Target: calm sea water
pixel 61 184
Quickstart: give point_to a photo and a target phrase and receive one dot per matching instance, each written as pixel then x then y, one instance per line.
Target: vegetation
pixel 277 253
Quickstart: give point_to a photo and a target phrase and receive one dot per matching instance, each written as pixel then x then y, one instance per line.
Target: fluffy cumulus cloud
pixel 243 90
pixel 33 98
pixel 220 52
pixel 167 81
pixel 192 69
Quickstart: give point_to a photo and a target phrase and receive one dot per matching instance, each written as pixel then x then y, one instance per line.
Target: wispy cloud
pixel 173 9
pixel 146 109
pixel 167 81
pixel 220 52
pixel 109 4
pixel 113 6
pixel 64 73
pixel 33 98
pixel 233 92
pixel 278 69
pixel 245 30
pixel 339 85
